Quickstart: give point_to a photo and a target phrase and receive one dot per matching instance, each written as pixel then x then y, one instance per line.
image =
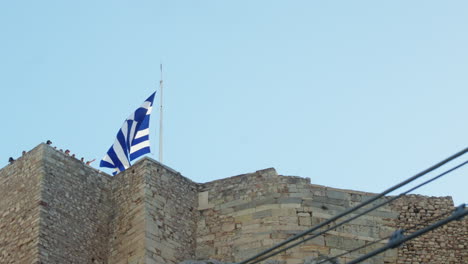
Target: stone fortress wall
pixel 55 209
pixel 243 215
pixel 20 208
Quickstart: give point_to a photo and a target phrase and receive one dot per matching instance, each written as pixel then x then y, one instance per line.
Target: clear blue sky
pixel 353 94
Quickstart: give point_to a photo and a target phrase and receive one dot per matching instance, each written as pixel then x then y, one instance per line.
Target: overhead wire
pixel 424 223
pixel 453 217
pixel 358 215
pixel 350 210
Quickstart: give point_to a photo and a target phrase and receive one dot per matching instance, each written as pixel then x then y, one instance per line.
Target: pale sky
pixel 352 94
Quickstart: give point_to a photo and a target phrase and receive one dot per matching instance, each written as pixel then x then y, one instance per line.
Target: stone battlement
pixel 55 209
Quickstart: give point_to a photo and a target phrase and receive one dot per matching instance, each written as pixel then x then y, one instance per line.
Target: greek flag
pixel 132 139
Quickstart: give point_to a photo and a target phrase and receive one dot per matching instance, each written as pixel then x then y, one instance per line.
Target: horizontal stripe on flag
pixel 139 146
pixel 142 133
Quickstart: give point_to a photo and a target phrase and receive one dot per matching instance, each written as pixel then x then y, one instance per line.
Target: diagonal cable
pixel 456 216
pixel 266 255
pixel 424 223
pixel 350 210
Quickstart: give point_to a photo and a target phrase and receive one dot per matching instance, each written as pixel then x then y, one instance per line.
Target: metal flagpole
pixel 161 118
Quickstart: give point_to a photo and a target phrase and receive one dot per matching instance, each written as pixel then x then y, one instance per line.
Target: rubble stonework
pixel 55 209
pixel 75 209
pixel 448 244
pixel 20 202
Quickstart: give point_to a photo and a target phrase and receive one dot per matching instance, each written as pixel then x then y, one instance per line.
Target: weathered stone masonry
pixel 75 211
pixel 449 244
pixel 55 209
pixel 20 202
pixel 246 214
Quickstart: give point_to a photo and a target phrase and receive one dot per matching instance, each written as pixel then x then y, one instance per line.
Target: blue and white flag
pixel 132 139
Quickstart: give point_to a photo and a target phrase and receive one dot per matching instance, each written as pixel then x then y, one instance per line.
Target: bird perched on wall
pixel 48 142
pixel 11 160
